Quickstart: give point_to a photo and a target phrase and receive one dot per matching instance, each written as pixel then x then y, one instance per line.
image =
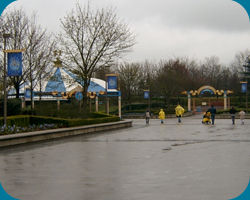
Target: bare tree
pixel 214 71
pixel 91 40
pixel 172 78
pixel 194 78
pixel 239 61
pixel 148 80
pixel 226 77
pixel 130 77
pixel 39 53
pixel 27 34
pixel 16 23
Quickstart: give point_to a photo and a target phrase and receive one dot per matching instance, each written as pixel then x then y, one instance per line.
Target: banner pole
pixel 5 36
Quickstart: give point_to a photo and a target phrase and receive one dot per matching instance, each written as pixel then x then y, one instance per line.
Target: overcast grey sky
pixel 166 28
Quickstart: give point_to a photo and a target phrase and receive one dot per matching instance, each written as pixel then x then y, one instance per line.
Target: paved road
pixel 172 161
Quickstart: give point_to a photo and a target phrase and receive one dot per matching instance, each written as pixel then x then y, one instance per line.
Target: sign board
pixel 78 96
pixel 146 94
pixel 112 82
pixel 244 87
pixel 28 93
pixel 14 64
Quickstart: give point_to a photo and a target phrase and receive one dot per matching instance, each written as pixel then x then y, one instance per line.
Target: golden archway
pixel 207 88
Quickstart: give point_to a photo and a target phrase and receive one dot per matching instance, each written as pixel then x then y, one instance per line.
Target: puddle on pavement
pixel 167 149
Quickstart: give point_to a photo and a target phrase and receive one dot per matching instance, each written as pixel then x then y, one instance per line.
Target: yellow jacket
pixel 207 115
pixel 179 110
pixel 161 114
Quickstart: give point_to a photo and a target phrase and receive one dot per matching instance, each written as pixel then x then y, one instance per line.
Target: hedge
pixel 25 120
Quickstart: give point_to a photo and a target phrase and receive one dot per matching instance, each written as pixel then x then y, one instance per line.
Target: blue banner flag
pixel 28 93
pixel 146 94
pixel 244 87
pixel 15 64
pixel 112 82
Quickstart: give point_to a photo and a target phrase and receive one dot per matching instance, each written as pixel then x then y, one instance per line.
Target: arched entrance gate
pixel 203 89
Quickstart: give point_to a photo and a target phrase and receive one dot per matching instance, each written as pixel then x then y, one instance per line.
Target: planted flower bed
pixel 6 130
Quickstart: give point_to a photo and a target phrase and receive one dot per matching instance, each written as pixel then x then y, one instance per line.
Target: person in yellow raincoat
pixel 179 112
pixel 206 118
pixel 161 115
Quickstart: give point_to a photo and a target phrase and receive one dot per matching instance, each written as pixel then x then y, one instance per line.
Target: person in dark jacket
pixel 213 111
pixel 232 111
pixel 147 116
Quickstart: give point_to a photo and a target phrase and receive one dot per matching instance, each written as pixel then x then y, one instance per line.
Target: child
pixel 161 115
pixel 206 118
pixel 147 116
pixel 179 112
pixel 242 116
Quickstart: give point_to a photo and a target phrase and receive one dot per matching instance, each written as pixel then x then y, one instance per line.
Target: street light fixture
pixel 5 36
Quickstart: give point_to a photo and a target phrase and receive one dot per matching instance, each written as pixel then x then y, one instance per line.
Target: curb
pixel 23 138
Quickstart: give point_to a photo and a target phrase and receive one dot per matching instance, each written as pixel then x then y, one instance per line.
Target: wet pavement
pixel 170 161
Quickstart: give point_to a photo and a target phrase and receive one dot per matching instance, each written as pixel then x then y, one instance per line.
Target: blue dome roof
pixel 61 80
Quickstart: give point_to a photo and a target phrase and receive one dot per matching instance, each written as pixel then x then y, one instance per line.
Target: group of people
pixel 178 111
pixel 233 111
pixel 209 114
pixel 212 112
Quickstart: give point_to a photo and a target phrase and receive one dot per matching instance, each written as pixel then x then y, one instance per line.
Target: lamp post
pixel 5 36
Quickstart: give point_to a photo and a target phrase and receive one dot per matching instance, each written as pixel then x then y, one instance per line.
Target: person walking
pixel 213 111
pixel 232 111
pixel 179 112
pixel 242 116
pixel 147 116
pixel 162 116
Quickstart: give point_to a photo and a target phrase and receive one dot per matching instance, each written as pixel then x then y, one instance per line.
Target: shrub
pixel 14 107
pixel 19 120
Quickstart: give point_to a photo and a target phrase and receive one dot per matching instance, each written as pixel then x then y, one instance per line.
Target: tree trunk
pixel 17 90
pixel 85 100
